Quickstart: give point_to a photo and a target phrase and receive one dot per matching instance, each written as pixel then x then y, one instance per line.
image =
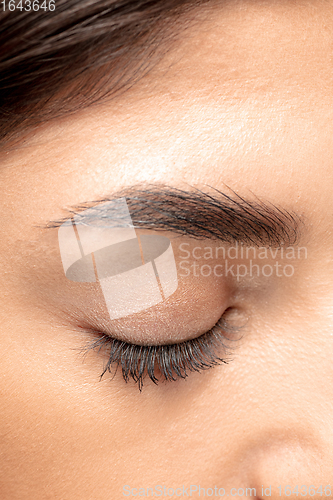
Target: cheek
pixel 226 424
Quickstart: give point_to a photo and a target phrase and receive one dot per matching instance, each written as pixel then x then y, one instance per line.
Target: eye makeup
pixel 134 272
pixel 147 353
pixel 167 362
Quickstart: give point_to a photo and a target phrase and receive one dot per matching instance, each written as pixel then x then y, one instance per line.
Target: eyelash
pixel 174 361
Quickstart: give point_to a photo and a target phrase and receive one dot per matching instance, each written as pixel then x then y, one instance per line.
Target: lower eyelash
pixel 173 361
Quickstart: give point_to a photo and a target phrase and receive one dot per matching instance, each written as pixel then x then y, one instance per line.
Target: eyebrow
pixel 209 214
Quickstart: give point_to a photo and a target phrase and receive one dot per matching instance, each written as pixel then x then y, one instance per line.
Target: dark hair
pixel 53 63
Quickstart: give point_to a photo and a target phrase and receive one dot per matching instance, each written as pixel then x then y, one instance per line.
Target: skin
pixel 244 100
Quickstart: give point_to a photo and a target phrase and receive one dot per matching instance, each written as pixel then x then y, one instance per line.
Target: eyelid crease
pixel 173 361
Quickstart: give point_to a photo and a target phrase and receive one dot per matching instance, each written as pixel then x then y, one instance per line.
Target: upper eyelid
pixel 199 215
pixel 164 211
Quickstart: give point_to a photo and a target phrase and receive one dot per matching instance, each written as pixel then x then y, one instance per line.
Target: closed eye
pixel 167 362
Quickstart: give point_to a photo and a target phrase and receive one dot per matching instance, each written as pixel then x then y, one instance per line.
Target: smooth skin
pixel 245 100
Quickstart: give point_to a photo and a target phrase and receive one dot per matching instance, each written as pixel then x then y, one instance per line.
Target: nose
pixel 294 463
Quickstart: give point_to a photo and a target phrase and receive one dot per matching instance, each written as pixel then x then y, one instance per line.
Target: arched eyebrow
pixel 210 214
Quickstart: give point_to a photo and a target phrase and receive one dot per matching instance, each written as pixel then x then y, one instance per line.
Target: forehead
pixel 243 97
pixel 242 48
